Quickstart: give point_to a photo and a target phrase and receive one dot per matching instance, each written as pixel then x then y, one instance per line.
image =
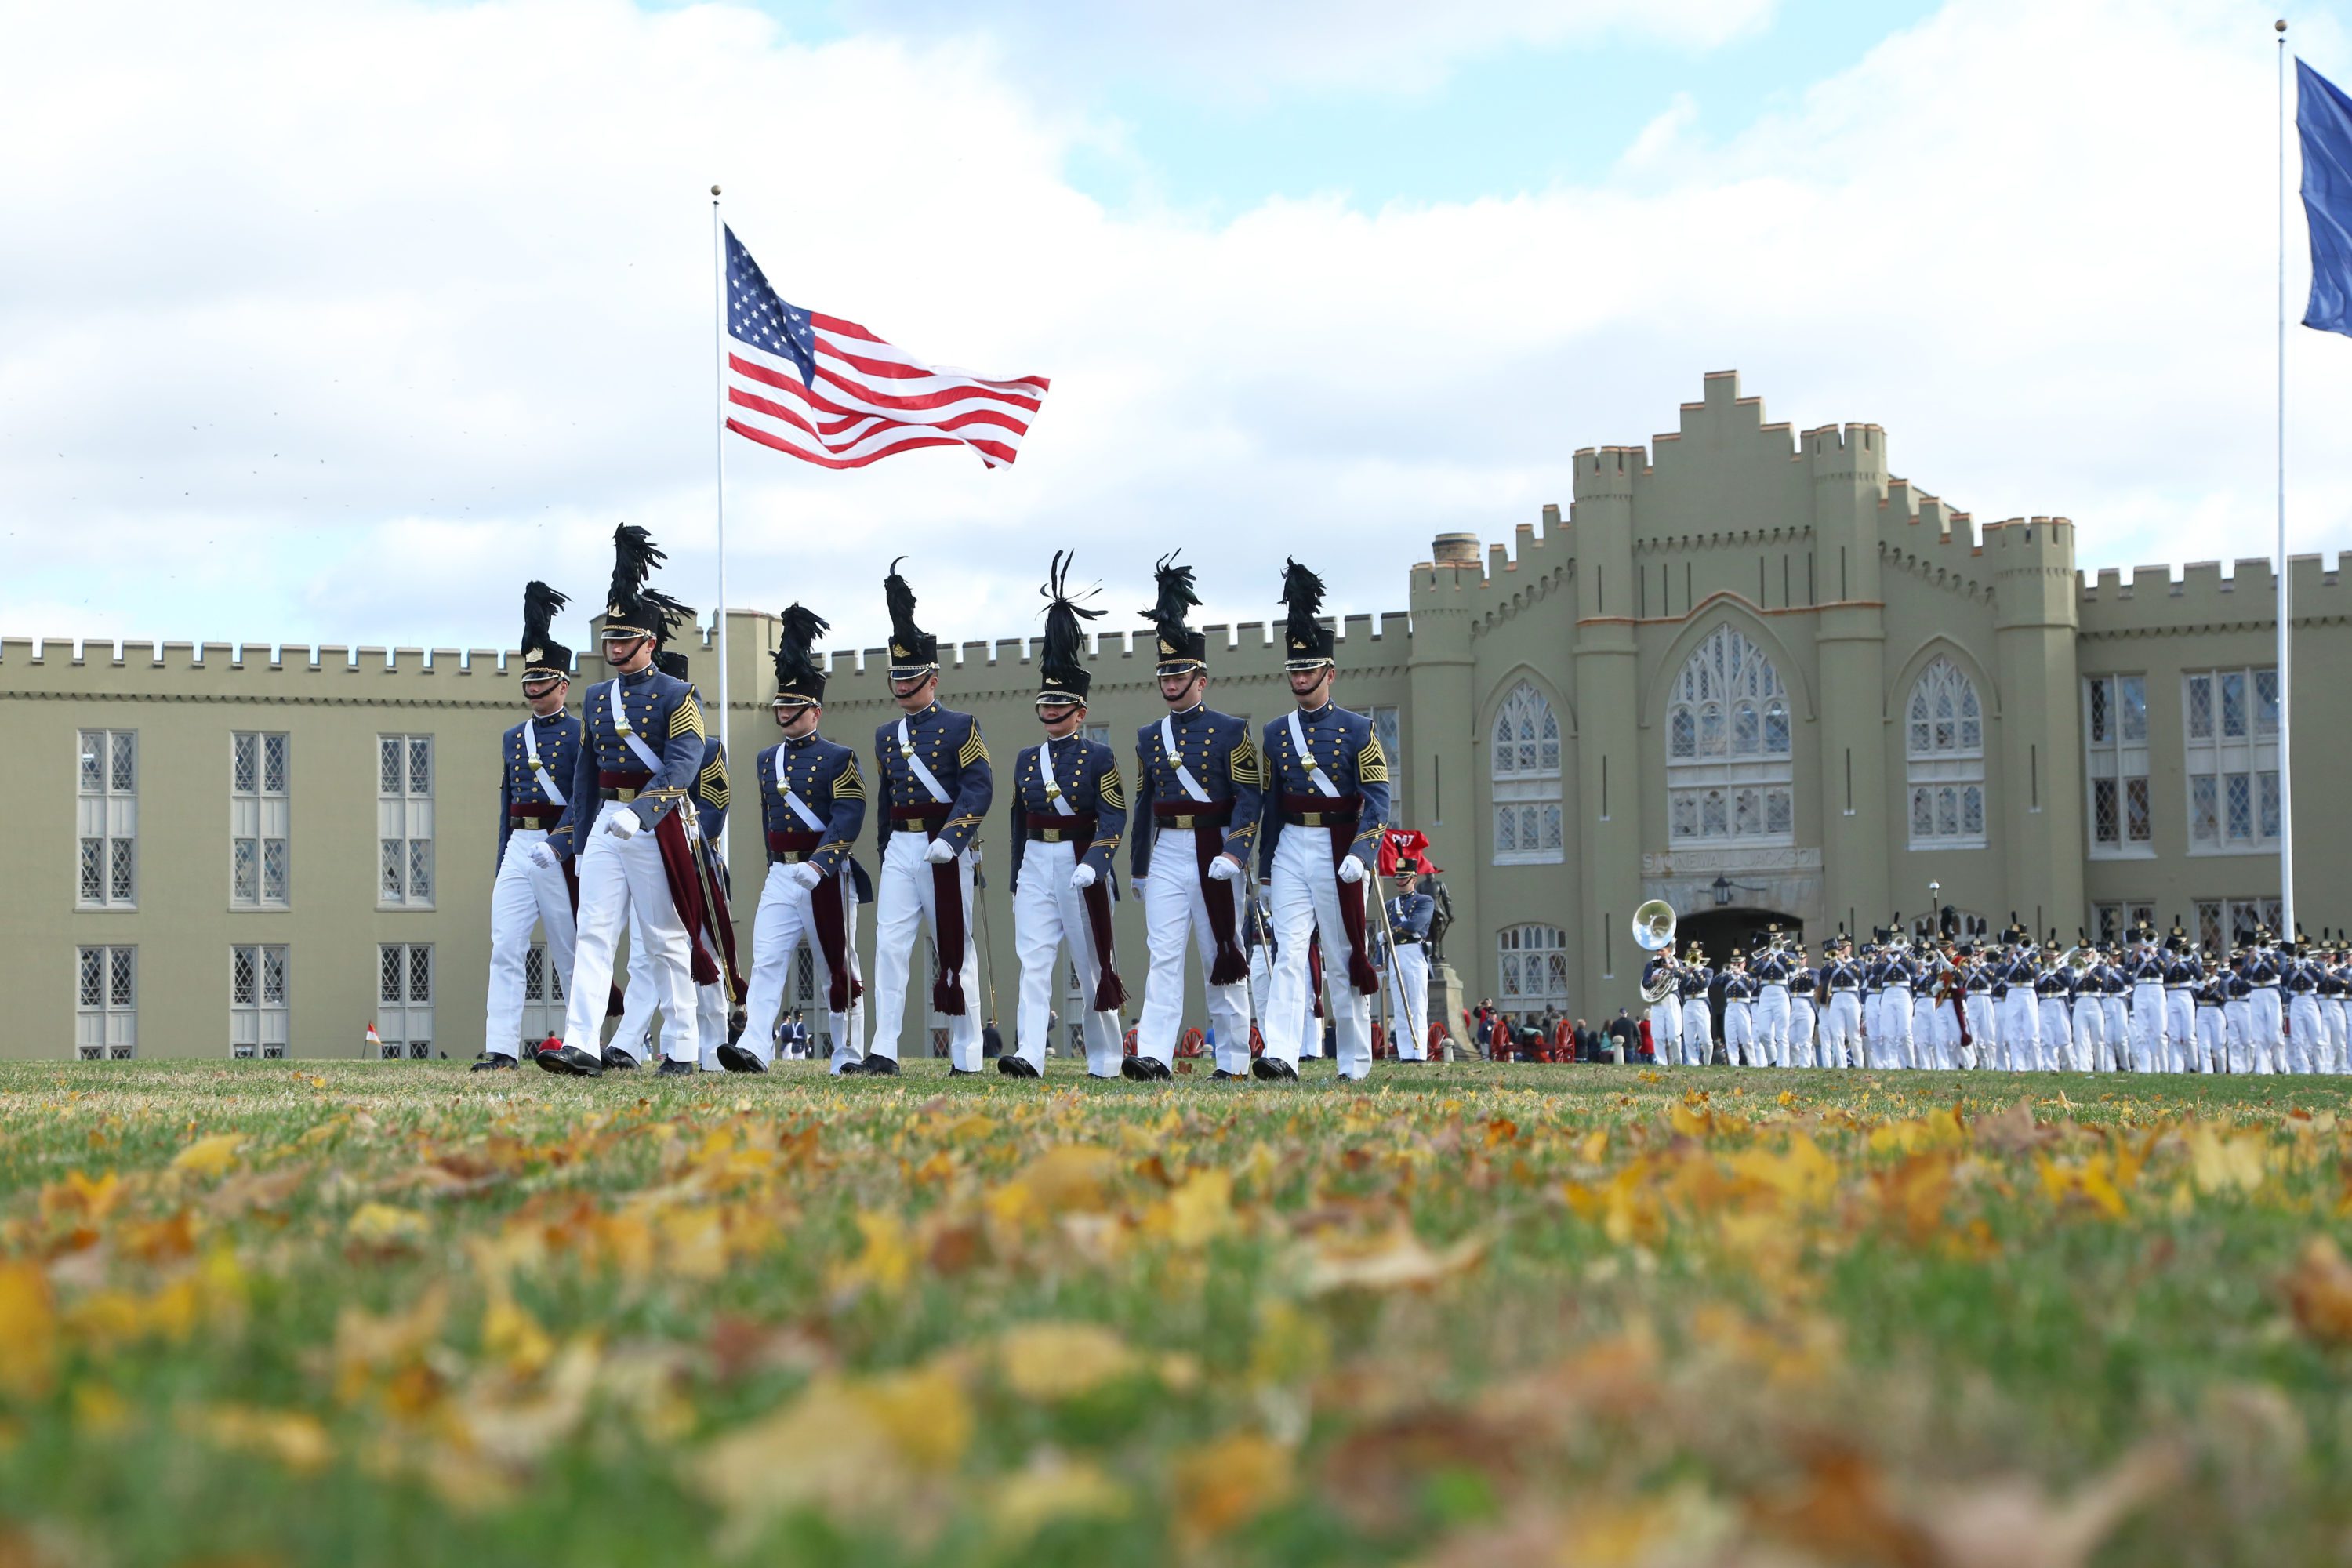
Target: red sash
pixel 1078 829
pixel 1231 965
pixel 1340 813
pixel 947 908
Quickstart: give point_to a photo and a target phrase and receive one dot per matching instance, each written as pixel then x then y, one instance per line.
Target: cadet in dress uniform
pixel 641 756
pixel 1804 987
pixel 1068 812
pixel 811 808
pixel 1894 1048
pixel 1976 999
pixel 2055 1025
pixel 1699 1023
pixel 1410 912
pixel 2212 1033
pixel 537 758
pixel 1326 806
pixel 1772 972
pixel 2180 977
pixel 2305 1043
pixel 1667 1012
pixel 1841 1006
pixel 1739 1012
pixel 1927 1044
pixel 937 788
pixel 2237 1014
pixel 1196 812
pixel 2331 1005
pixel 2144 970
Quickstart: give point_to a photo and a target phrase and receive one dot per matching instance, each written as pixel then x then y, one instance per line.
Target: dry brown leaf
pixel 1397 1260
pixel 28 1330
pixel 256 1190
pixel 2319 1291
pixel 2011 1522
pixel 209 1156
pixel 1226 1482
pixel 2013 1132
pixel 1051 1362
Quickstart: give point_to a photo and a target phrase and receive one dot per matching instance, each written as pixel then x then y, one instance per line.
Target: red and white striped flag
pixel 831 392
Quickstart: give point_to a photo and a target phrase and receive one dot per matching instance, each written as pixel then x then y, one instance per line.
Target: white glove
pixel 801 874
pixel 1351 870
pixel 1083 877
pixel 624 824
pixel 1225 868
pixel 545 858
pixel 939 852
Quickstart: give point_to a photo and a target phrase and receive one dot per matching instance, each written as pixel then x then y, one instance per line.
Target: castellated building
pixel 1751 672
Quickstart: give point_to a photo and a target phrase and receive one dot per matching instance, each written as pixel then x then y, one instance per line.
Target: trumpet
pixel 1654 931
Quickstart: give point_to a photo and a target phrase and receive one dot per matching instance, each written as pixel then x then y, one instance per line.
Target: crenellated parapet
pixel 2151 601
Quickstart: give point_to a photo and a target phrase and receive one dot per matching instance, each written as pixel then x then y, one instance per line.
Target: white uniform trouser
pixel 2020 1029
pixel 2331 1008
pixel 1666 1030
pixel 1048 915
pixel 1408 996
pixel 2307 1039
pixel 2212 1039
pixel 1772 1024
pixel 2266 1015
pixel 620 884
pixel 1306 897
pixel 523 896
pixel 1895 1047
pixel 1699 1033
pixel 640 1002
pixel 1873 1028
pixel 2238 1030
pixel 1800 1030
pixel 1840 1030
pixel 1175 909
pixel 1984 1034
pixel 2179 1028
pixel 1739 1033
pixel 2055 1051
pixel 1927 1047
pixel 783 921
pixel 904 903
pixel 2117 1013
pixel 2147 1027
pixel 2090 1035
pixel 1948 1050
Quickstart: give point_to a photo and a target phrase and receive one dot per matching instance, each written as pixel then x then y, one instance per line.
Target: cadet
pixel 936 791
pixel 1841 1006
pixel 812 807
pixel 1327 804
pixel 1804 983
pixel 531 891
pixel 641 754
pixel 1770 972
pixel 1410 913
pixel 1667 1012
pixel 1068 812
pixel 2181 973
pixel 1196 810
pixel 1699 1023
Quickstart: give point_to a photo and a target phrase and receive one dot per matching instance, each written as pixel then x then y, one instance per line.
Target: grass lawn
pixel 272 1312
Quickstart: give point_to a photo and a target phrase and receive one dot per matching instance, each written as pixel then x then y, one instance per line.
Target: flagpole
pixel 2285 589
pixel 718 469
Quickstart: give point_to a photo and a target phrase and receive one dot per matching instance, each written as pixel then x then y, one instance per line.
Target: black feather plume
pixel 1302 590
pixel 901 600
pixel 541 606
pixel 666 611
pixel 1064 638
pixel 1176 596
pixel 635 556
pixel 802 627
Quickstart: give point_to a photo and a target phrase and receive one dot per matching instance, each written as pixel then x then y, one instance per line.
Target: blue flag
pixel 2323 115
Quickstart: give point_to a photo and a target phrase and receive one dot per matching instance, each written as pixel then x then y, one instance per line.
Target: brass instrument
pixel 1654 931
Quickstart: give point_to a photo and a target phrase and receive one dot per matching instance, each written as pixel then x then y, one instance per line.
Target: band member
pixel 1739 1012
pixel 1976 999
pixel 1325 806
pixel 2238 1015
pixel 1410 913
pixel 641 754
pixel 2181 973
pixel 2054 1027
pixel 1894 1048
pixel 2144 970
pixel 537 757
pixel 1196 809
pixel 1841 1006
pixel 936 787
pixel 1068 812
pixel 2307 1038
pixel 1804 987
pixel 1667 1012
pixel 1927 1044
pixel 811 808
pixel 2020 1018
pixel 1771 975
pixel 1698 1022
pixel 2332 990
pixel 2212 1033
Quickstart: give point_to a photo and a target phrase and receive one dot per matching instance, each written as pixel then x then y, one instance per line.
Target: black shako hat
pixel 632 609
pixel 543 656
pixel 1306 640
pixel 1063 671
pixel 799 682
pixel 1181 649
pixel 913 650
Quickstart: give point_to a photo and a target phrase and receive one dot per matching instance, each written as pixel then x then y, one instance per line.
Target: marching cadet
pixel 640 757
pixel 2212 1033
pixel 2237 1014
pixel 1197 798
pixel 811 808
pixel 1976 1000
pixel 530 889
pixel 2115 1009
pixel 1739 1015
pixel 2055 1027
pixel 2021 1016
pixel 1699 1023
pixel 1068 812
pixel 2180 977
pixel 1894 1047
pixel 2331 1002
pixel 1325 806
pixel 2306 1045
pixel 1771 975
pixel 1927 1043
pixel 1667 1012
pixel 1804 984
pixel 1841 1006
pixel 2144 970
pixel 2265 1011
pixel 1410 912
pixel 937 788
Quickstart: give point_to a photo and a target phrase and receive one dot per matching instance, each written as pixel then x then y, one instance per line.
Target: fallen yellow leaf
pixel 1224 1484
pixel 209 1156
pixel 382 1228
pixel 28 1330
pixel 1062 1360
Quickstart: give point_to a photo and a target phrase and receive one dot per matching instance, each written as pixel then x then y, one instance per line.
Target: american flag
pixel 829 391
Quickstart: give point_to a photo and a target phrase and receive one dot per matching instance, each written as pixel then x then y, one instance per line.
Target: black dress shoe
pixel 671 1067
pixel 618 1060
pixel 492 1062
pixel 963 1072
pixel 1143 1070
pixel 1221 1073
pixel 1275 1071
pixel 1016 1066
pixel 736 1058
pixel 876 1065
pixel 573 1060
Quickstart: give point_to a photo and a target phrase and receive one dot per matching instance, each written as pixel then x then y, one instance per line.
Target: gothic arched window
pixel 1527 780
pixel 1943 743
pixel 1728 743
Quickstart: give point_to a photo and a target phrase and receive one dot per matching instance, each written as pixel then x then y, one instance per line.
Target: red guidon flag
pixel 831 392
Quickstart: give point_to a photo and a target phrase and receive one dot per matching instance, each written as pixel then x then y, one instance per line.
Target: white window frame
pixel 2117 922
pixel 1730 736
pixel 106 856
pixel 1516 948
pixel 405 869
pixel 2225 922
pixel 2116 756
pixel 106 1002
pixel 260 994
pixel 2220 768
pixel 260 861
pixel 1387 729
pixel 544 1000
pixel 404 1023
pixel 1523 752
pixel 1943 743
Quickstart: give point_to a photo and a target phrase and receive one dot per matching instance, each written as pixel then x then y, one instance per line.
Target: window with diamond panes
pixel 106 1004
pixel 258 1011
pixel 404 820
pixel 404 1000
pixel 1944 749
pixel 2115 764
pixel 2230 724
pixel 1526 774
pixel 1728 742
pixel 260 871
pixel 1533 964
pixel 107 811
pixel 542 996
pixel 2115 922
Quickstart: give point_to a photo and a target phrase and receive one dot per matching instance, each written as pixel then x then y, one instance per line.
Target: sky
pixel 336 323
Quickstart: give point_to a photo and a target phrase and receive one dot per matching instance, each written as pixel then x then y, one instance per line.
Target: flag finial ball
pixel 2280 24
pixel 714 190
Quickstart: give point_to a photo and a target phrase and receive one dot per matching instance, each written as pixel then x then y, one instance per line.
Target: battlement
pixel 1856 451
pixel 254 659
pixel 1608 471
pixel 2151 598
pixel 2031 544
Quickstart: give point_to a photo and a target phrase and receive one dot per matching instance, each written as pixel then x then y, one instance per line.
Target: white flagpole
pixel 718 473
pixel 2287 778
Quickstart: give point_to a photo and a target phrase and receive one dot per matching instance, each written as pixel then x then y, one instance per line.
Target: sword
pixel 980 924
pixel 696 843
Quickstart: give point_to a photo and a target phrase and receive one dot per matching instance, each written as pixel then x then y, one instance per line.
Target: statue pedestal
pixel 1446 1008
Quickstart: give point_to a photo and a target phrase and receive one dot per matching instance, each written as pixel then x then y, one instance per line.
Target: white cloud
pixel 340 323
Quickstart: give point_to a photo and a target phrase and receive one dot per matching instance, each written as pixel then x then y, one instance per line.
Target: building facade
pixel 1751 672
